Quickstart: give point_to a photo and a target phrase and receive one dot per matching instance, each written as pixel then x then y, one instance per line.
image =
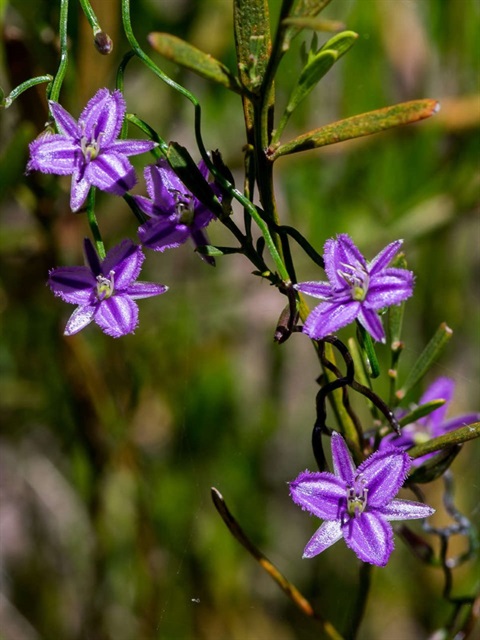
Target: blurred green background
pixel 109 448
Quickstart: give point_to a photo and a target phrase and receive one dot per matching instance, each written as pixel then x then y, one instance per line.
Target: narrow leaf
pixel 252 39
pixel 364 124
pixel 420 412
pixel 305 9
pixel 316 24
pixel 435 466
pixel 212 250
pixel 426 359
pixel 470 432
pixel 190 57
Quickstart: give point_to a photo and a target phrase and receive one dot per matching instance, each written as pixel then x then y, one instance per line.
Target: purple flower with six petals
pixel 104 290
pixel 88 150
pixel 357 504
pixel 357 289
pixel 434 424
pixel 175 213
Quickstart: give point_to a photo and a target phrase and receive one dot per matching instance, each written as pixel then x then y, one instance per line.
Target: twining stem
pixel 13 95
pixel 53 91
pixel 287 587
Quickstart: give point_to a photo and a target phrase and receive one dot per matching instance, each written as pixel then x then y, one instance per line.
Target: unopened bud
pixel 103 43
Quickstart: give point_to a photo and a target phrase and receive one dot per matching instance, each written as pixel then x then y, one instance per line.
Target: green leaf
pixel 470 432
pixel 368 351
pixel 316 24
pixel 395 312
pixel 435 466
pixel 426 359
pixel 305 9
pixel 211 250
pixel 252 39
pixel 188 172
pixel 318 64
pixel 364 124
pixel 420 412
pixel 190 57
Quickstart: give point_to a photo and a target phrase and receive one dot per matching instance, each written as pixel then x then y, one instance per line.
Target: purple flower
pixel 175 213
pixel 104 290
pixel 357 504
pixel 434 424
pixel 356 290
pixel 88 149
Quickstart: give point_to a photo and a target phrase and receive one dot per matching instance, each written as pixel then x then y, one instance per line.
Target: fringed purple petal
pixel 370 320
pixel 342 460
pixel 78 192
pixel 383 473
pixel 112 173
pixel 370 536
pixel 66 124
pixel 80 318
pixel 326 535
pixel 163 182
pixel 202 167
pixel 328 317
pixel 117 316
pixel 442 388
pixel 162 233
pixel 145 290
pixel 387 289
pixel 91 257
pixel 53 153
pixel 125 260
pixel 72 284
pixel 103 115
pixel 321 290
pixel 405 510
pixel 203 217
pixel 384 258
pixel 322 494
pixel 403 441
pixel 455 423
pixel 131 147
pixel 338 254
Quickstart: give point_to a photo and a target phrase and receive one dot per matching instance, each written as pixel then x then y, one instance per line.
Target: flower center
pixel 420 436
pixel 356 499
pixel 357 279
pixel 105 286
pixel 184 207
pixel 90 148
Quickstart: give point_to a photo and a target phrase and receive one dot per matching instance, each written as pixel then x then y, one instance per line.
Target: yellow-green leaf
pixel 364 124
pixel 190 57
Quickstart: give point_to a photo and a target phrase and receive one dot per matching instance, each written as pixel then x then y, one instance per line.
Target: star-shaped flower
pixel 104 290
pixel 357 504
pixel 434 424
pixel 356 290
pixel 88 150
pixel 175 213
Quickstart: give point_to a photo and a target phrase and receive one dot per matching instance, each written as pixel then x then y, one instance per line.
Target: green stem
pixel 151 133
pixel 91 17
pixel 54 89
pixel 13 95
pixel 92 221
